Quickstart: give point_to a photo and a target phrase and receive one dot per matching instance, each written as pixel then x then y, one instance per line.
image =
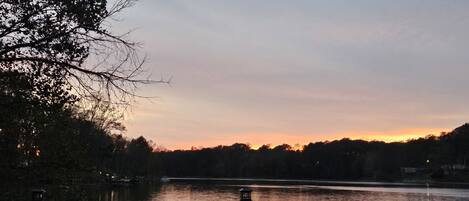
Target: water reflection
pixel 196 192
pixel 140 193
pixel 216 192
pixel 199 191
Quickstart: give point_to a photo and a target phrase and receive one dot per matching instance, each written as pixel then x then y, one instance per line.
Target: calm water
pixel 199 191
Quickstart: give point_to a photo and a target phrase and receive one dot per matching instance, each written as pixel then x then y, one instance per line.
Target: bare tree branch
pixel 65 35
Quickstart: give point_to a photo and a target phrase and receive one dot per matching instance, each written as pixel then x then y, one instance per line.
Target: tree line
pixel 441 157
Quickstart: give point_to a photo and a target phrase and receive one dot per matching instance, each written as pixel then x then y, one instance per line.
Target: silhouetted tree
pixel 138 156
pixel 61 70
pixel 61 36
pixel 344 159
pixel 30 106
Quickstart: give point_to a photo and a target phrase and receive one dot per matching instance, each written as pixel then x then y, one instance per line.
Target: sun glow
pixel 256 140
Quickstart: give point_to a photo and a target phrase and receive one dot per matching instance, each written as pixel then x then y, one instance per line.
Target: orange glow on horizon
pixel 256 140
pixel 393 136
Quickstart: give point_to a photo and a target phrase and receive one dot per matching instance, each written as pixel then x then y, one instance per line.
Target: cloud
pixel 319 67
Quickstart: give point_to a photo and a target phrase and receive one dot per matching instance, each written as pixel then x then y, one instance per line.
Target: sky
pixel 274 72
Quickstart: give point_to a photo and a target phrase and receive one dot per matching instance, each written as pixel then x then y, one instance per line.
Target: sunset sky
pixel 272 71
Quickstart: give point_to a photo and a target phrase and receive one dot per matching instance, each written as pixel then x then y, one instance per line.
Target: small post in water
pixel 38 194
pixel 245 194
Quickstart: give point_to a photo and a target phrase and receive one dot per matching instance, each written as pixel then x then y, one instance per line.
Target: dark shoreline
pixel 433 184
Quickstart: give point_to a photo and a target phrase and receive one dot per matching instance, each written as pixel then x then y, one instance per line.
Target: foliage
pixel 61 36
pixel 57 109
pixel 340 159
pixel 29 105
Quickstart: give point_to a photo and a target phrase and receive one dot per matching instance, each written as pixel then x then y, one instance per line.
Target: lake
pixel 216 191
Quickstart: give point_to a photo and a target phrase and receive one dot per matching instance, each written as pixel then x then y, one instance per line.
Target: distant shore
pixel 435 184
